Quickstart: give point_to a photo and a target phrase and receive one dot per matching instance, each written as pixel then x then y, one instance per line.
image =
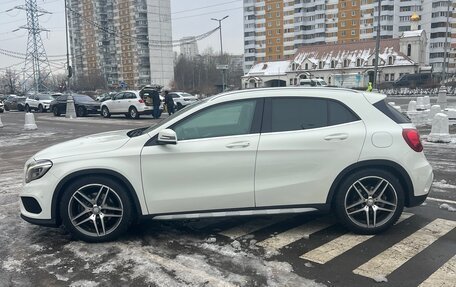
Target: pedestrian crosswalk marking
pixel 341 245
pixel 249 227
pixel 389 260
pixel 294 234
pixel 445 276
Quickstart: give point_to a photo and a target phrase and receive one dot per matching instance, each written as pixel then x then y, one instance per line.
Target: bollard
pixel 427 102
pixel 411 106
pixel 30 122
pixel 440 129
pixel 420 104
pixel 442 99
pixel 70 111
pixel 1 124
pixel 435 109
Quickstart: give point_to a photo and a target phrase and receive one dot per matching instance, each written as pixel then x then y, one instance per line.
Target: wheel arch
pixel 67 180
pixel 387 165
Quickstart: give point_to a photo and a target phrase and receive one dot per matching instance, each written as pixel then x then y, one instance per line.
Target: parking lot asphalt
pixel 287 250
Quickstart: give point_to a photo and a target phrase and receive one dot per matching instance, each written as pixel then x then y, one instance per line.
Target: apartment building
pixel 123 41
pixel 189 47
pixel 275 29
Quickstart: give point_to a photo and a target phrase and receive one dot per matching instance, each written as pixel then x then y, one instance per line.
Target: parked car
pixel 182 99
pixel 2 106
pixel 132 104
pixel 38 102
pixel 83 105
pixel 14 102
pixel 313 82
pixel 280 150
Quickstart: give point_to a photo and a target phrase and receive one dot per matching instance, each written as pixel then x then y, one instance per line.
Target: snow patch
pixel 443 184
pixel 308 264
pixel 447 207
pixel 84 283
pixel 380 278
pixel 61 277
pixel 13 265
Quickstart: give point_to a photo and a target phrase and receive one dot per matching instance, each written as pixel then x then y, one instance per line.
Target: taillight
pixel 141 101
pixel 412 138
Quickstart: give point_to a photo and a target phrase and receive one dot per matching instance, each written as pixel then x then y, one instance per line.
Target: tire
pixel 105 112
pixel 27 109
pixel 81 112
pixel 56 112
pixel 1 111
pixel 86 204
pixel 385 199
pixel 7 108
pixel 41 109
pixel 133 112
pixel 179 106
pixel 127 115
pixel 20 108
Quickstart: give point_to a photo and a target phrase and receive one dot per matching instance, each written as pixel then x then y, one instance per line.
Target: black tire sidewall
pixel 136 113
pixel 127 203
pixel 40 109
pixel 80 111
pixel 107 112
pixel 55 111
pixel 342 190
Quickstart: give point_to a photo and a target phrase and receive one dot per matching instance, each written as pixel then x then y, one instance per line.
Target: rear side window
pixel 392 113
pixel 290 114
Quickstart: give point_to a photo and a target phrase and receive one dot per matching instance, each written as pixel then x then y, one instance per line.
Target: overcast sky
pixel 189 18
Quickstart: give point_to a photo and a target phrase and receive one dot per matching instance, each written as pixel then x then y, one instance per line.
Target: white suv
pixel 182 99
pixel 262 151
pixel 39 102
pixel 129 103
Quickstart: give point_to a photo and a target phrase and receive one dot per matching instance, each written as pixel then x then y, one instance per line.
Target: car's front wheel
pixel 56 112
pixel 96 209
pixel 105 112
pixel 369 201
pixel 81 111
pixel 133 113
pixel 41 109
pixel 27 108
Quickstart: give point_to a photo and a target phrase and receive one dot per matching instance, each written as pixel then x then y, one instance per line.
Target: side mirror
pixel 167 136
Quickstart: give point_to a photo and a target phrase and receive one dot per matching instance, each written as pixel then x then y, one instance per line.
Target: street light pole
pixel 221 47
pixel 69 69
pixel 377 46
pixel 445 64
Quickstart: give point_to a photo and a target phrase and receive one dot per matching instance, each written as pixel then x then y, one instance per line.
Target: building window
pixel 345 63
pixel 353 13
pixel 307 66
pixel 333 64
pixel 373 62
pixel 353 32
pixel 390 60
pixel 391 77
pixel 320 65
pixel 358 62
pixel 386 77
pixel 353 3
pixel 342 24
pixel 409 50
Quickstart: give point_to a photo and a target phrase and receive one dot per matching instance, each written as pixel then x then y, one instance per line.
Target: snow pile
pixel 447 207
pixel 440 129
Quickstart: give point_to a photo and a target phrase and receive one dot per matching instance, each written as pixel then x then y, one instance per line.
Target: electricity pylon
pixel 37 68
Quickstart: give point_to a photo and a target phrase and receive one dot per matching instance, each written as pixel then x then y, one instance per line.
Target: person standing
pixel 156 104
pixel 169 102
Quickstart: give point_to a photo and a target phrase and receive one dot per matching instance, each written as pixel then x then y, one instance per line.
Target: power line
pixel 204 7
pixel 208 13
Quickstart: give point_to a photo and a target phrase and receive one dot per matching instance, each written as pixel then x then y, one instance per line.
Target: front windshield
pixel 165 121
pixel 323 83
pixel 45 97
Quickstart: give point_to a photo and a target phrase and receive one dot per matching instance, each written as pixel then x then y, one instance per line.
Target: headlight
pixel 37 169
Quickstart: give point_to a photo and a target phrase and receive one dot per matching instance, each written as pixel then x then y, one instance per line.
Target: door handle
pixel 238 145
pixel 336 137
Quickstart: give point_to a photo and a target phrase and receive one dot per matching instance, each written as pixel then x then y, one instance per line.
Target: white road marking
pixel 341 244
pixel 249 227
pixel 392 258
pixel 294 234
pixel 445 276
pixel 441 200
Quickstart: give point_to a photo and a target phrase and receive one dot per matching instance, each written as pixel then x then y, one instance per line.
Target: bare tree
pixel 10 82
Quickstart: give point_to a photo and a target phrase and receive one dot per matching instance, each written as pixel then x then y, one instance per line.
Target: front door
pixel 305 143
pixel 212 165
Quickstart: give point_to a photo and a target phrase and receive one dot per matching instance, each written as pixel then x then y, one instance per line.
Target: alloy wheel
pixel 95 210
pixel 371 202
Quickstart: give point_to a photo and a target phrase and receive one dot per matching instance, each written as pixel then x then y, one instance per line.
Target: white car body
pixel 182 99
pixel 252 173
pixel 124 101
pixel 2 106
pixel 38 102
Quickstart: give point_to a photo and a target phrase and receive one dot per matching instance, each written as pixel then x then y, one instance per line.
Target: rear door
pixel 115 105
pixel 305 143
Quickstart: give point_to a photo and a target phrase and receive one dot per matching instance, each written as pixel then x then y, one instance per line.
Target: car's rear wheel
pixel 369 201
pixel 133 112
pixel 105 112
pixel 81 111
pixel 179 106
pixel 27 108
pixel 56 112
pixel 20 108
pixel 40 109
pixel 96 209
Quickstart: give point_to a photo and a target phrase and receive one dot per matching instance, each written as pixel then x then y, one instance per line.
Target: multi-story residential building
pixel 123 41
pixel 276 29
pixel 188 47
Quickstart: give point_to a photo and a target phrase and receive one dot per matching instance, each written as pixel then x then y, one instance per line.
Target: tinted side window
pixel 391 112
pixel 339 114
pixel 119 96
pixel 290 114
pixel 130 96
pixel 228 119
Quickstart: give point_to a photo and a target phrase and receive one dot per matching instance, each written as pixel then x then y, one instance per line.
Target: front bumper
pixel 42 222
